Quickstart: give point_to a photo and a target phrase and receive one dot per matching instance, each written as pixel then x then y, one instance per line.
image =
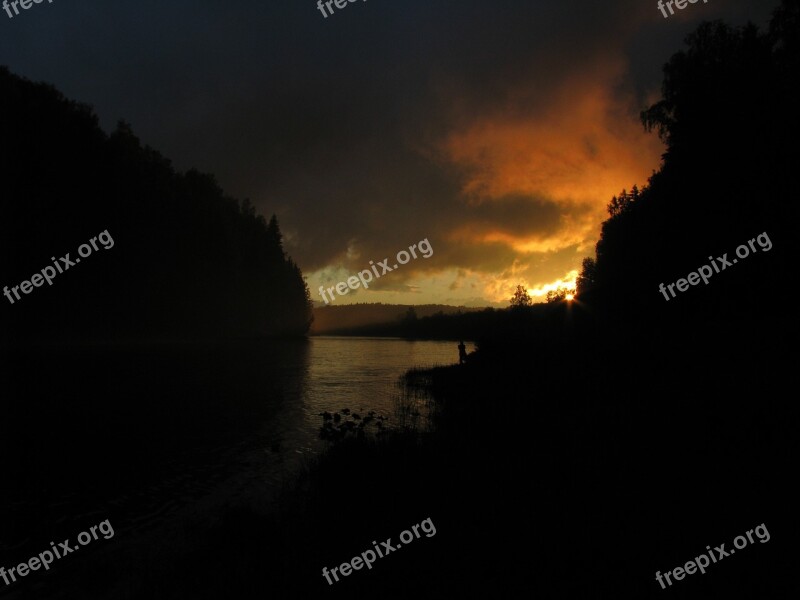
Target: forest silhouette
pixel 189 261
pixel 729 119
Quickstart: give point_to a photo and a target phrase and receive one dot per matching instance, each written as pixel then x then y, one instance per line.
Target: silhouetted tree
pixel 586 278
pixel 557 295
pixel 521 298
pixel 620 204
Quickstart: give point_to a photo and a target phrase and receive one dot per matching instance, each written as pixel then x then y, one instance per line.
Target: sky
pixel 497 131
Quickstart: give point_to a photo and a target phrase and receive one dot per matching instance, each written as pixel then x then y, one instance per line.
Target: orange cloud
pixel 572 230
pixel 565 156
pixel 583 148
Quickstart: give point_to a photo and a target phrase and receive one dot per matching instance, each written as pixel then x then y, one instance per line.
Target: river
pixel 139 432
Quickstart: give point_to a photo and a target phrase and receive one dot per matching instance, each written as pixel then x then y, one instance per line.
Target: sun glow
pixel 567 283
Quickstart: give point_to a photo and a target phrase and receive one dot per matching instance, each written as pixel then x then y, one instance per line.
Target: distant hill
pixel 346 319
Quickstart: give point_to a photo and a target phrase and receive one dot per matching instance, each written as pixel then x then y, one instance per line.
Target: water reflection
pixel 143 431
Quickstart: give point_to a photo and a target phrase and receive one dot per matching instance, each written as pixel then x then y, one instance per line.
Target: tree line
pixel 189 261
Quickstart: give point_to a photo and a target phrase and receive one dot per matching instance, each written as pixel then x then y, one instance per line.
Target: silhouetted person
pixel 462 353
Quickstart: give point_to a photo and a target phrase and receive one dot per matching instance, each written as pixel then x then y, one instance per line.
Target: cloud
pixel 571 155
pixel 498 130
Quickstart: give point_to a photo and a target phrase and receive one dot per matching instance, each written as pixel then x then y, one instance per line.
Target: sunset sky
pixel 497 130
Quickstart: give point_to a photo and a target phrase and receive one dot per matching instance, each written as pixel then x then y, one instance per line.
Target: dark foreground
pixel 575 467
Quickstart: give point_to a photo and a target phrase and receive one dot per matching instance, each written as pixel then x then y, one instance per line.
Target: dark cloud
pixel 498 130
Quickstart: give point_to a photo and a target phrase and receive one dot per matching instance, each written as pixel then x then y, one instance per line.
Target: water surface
pixel 139 432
